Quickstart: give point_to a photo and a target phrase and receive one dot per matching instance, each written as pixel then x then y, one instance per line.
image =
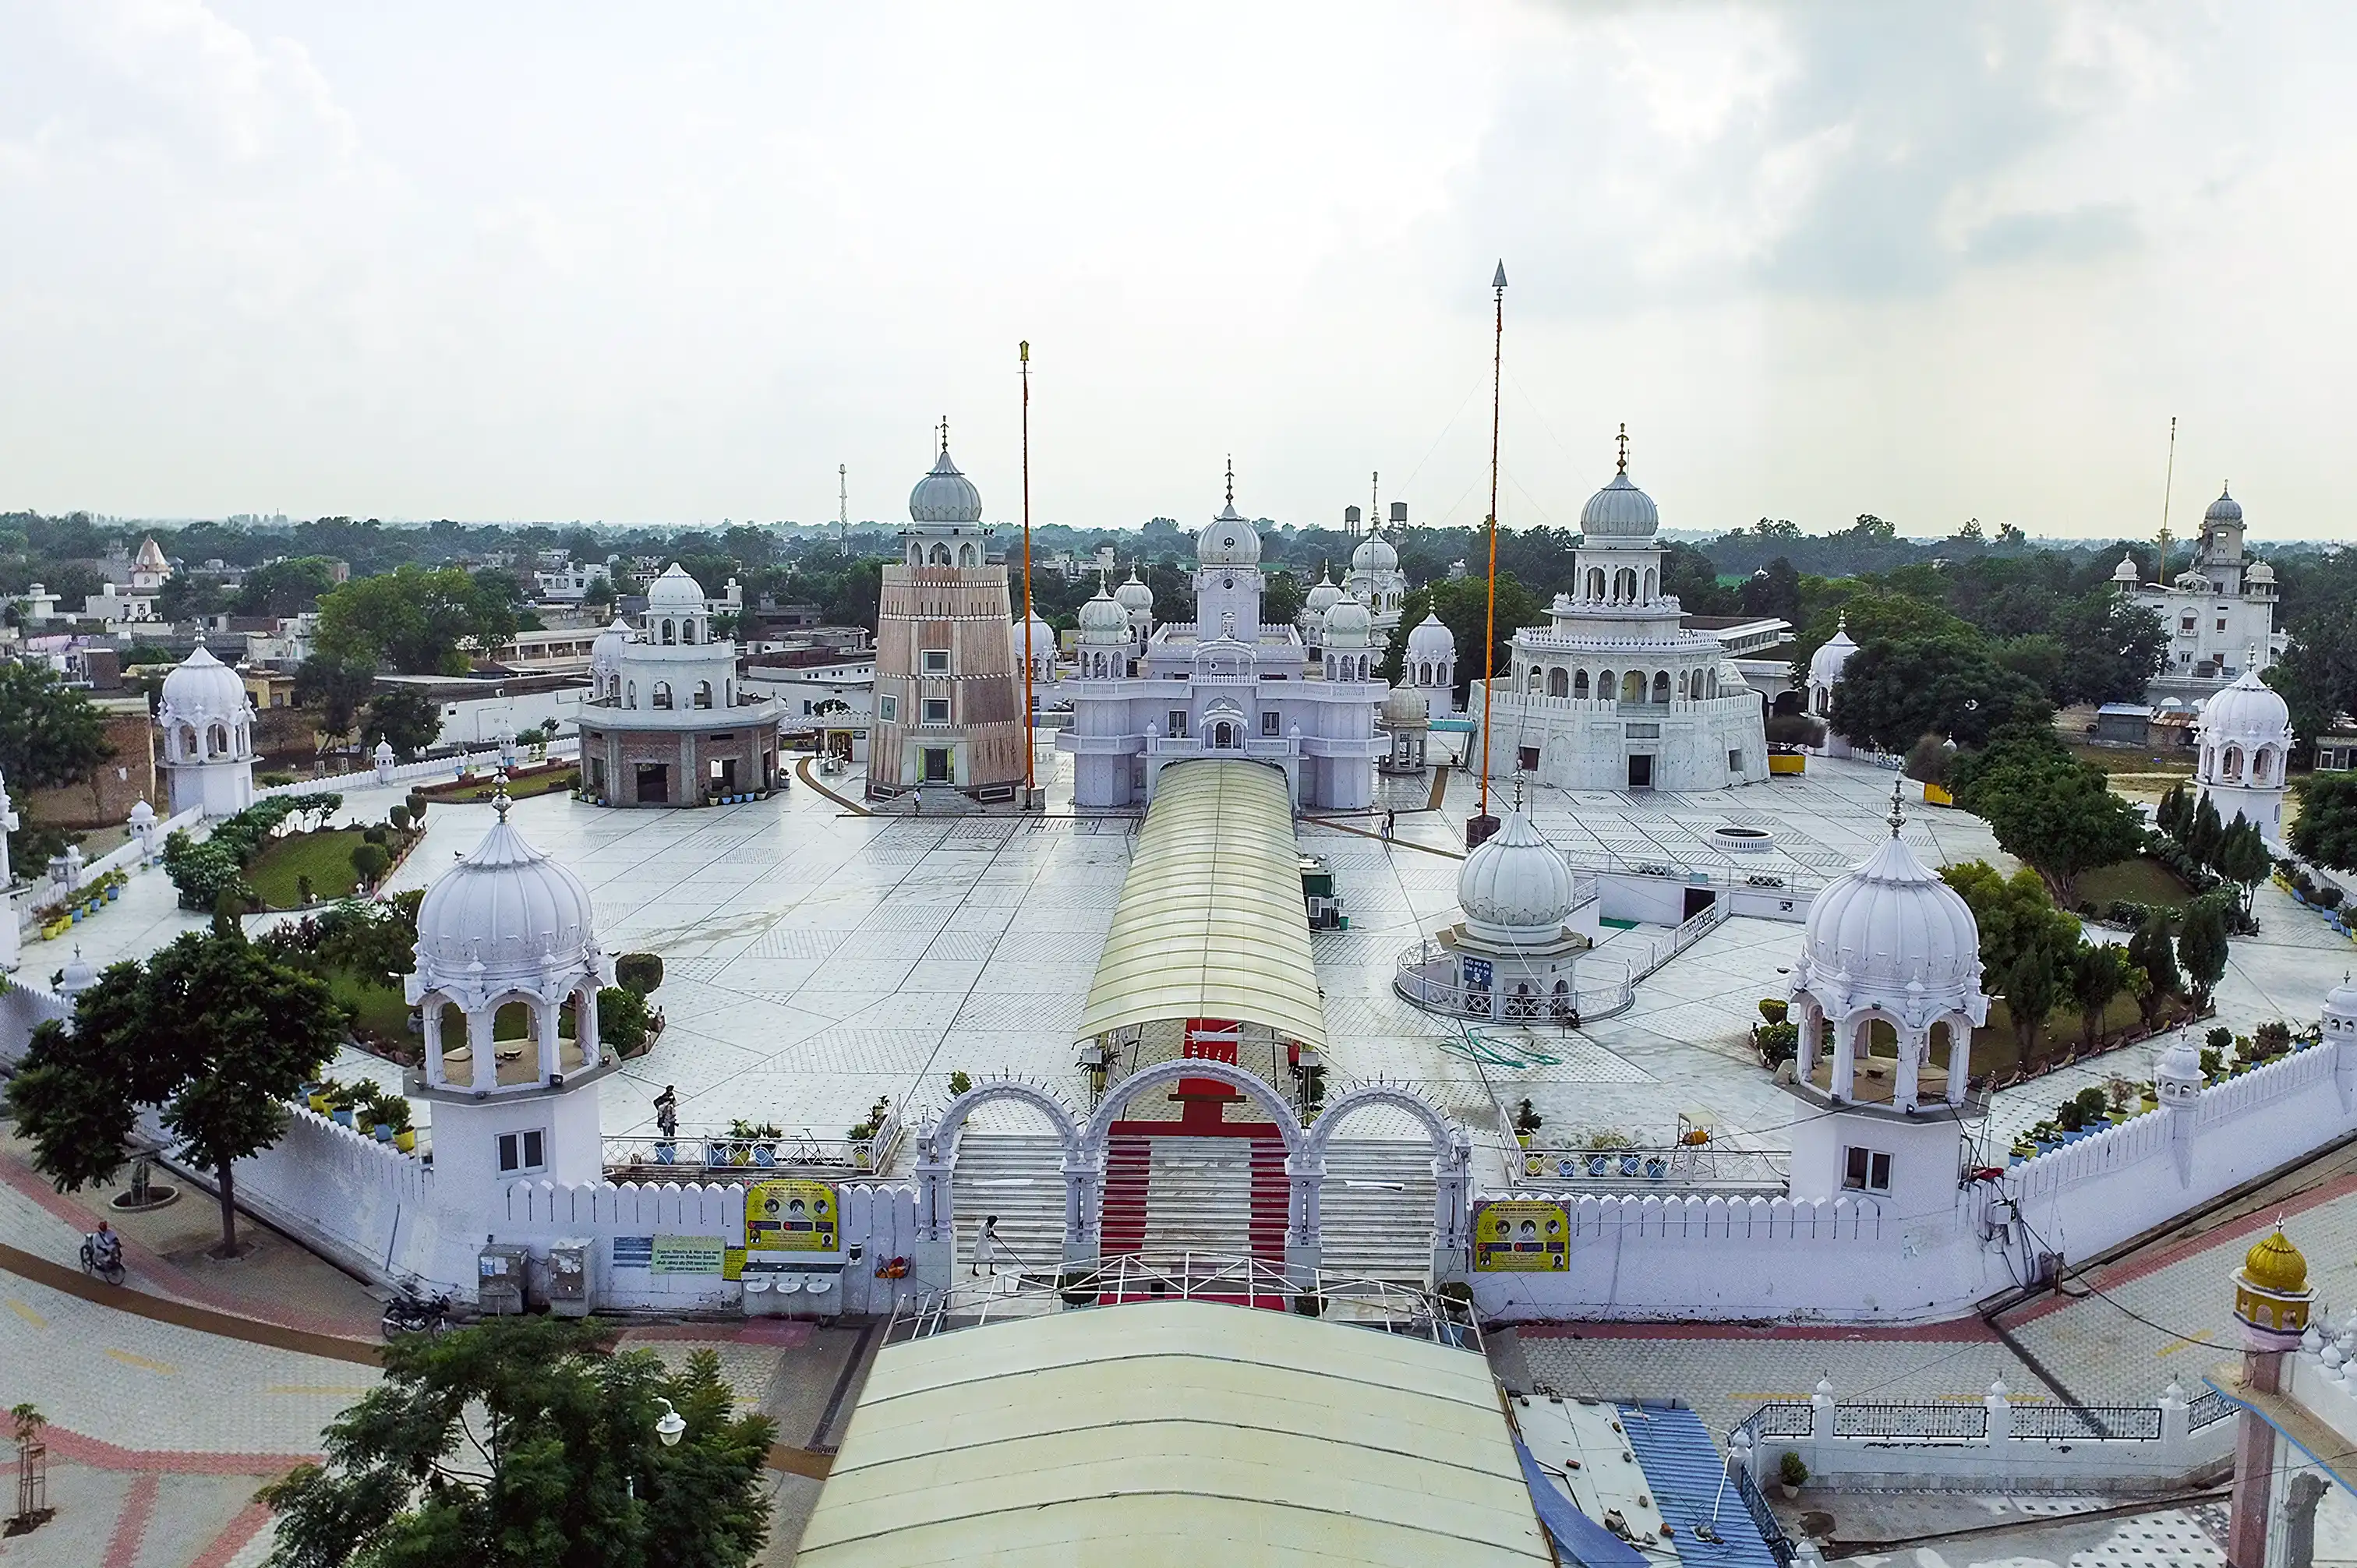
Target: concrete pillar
pixel 2000 1413
pixel 2254 1464
pixel 548 1016
pixel 1084 1168
pixel 430 1012
pixel 1820 1412
pixel 2176 1424
pixel 479 1039
pixel 1960 1058
pixel 1913 1044
pixel 1845 1076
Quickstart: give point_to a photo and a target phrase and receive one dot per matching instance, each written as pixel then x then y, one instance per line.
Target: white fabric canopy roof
pixel 1210 922
pixel 1176 1434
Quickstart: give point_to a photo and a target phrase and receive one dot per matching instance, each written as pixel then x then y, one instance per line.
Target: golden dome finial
pixel 2274 1265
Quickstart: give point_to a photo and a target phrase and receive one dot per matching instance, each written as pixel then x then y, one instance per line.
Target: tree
pixel 621 1018
pixel 2016 916
pixel 2097 976
pixel 370 861
pixel 412 620
pixel 408 720
pixel 2174 814
pixel 2242 859
pixel 337 688
pixel 2048 808
pixel 2317 674
pixel 212 1030
pixel 1281 601
pixel 639 972
pixel 2201 948
pixel 526 1442
pixel 2326 832
pixel 2204 832
pixel 2150 952
pixel 1893 690
pixel 49 733
pixel 2033 985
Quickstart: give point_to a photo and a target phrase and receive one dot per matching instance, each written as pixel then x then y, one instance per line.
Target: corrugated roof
pixel 1684 1465
pixel 1175 1432
pixel 1210 922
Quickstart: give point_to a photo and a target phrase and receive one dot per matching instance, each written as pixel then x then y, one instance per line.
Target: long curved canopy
pixel 1210 922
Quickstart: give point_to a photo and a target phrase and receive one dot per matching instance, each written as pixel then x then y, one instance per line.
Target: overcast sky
pixel 676 262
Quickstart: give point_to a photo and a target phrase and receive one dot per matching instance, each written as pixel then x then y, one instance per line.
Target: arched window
pixel 1558 683
pixel 1330 667
pixel 704 693
pixel 663 694
pixel 1633 686
pixel 1660 685
pixel 1649 585
pixel 1596 581
pixel 1579 684
pixel 1222 736
pixel 669 630
pixel 687 630
pixel 1825 703
pixel 217 741
pixel 916 554
pixel 966 554
pixel 634 693
pixel 1606 686
pixel 1424 673
pixel 941 556
pixel 2262 763
pixel 2233 770
pixel 1624 584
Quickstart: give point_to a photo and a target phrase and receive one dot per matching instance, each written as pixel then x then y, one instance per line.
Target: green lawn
pixel 522 788
pixel 376 1009
pixel 325 857
pixel 2142 880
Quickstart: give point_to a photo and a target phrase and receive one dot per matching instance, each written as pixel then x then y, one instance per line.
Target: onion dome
pixel 508 907
pixel 674 593
pixel 1043 639
pixel 2342 999
pixel 1374 553
pixel 1404 709
pixel 1102 620
pixel 1430 640
pixel 2179 1066
pixel 1892 929
pixel 945 495
pixel 1349 624
pixel 143 815
pixel 1134 596
pixel 1825 664
pixel 2260 572
pixel 1514 886
pixel 2274 1265
pixel 606 651
pixel 1324 595
pixel 78 976
pixel 2225 509
pixel 1619 510
pixel 1228 540
pixel 2125 572
pixel 2249 711
pixel 201 687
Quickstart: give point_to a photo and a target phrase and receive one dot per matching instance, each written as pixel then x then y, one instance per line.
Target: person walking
pixel 1390 824
pixel 986 1247
pixel 667 1112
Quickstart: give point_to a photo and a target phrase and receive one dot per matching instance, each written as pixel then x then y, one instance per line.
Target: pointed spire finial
pixel 1375 504
pixel 1898 816
pixel 1499 279
pixel 499 794
pixel 1624 447
pixel 1232 479
pixel 945 432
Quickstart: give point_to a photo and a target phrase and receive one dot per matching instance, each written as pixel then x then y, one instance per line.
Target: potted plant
pixel 326 1095
pixel 1527 1121
pixel 959 1084
pixel 1791 1475
pixel 739 1146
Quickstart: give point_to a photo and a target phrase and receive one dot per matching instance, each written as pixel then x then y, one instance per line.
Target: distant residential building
pixel 569 584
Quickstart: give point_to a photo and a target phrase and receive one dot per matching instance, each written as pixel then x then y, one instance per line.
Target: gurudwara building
pixel 1612 693
pixel 948 689
pixel 1223 685
pixel 667 722
pixel 2220 612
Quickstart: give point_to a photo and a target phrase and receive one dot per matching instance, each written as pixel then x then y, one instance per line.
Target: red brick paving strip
pixel 231 1541
pixel 204 1319
pixel 131 1525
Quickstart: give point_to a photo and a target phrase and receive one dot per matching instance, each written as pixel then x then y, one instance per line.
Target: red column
pixel 2254 1466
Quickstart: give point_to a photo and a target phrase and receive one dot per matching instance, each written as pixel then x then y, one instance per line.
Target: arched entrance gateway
pixel 1286 1166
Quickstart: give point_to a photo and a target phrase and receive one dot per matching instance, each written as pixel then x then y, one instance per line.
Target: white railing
pixel 719 1156
pixel 1707 1167
pixel 451 766
pixel 1696 926
pixel 1422 975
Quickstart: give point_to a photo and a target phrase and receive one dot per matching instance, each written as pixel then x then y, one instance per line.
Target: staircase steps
pixel 1019 1177
pixel 1375 1211
pixel 1129 1171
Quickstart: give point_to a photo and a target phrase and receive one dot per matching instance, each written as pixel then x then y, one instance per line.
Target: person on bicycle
pixel 106 1247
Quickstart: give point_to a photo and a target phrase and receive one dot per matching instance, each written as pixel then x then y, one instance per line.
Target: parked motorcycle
pixel 416 1315
pixel 103 1262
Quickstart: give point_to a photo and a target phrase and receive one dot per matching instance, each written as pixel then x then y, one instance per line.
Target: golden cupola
pixel 2271 1292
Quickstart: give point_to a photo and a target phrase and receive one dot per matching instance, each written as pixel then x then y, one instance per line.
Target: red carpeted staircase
pixel 1129 1166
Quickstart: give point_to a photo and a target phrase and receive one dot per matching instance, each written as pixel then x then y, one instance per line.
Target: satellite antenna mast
pixel 1489 621
pixel 1031 739
pixel 2168 484
pixel 842 505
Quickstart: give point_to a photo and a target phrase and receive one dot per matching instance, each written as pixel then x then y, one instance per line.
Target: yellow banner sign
pixel 1522 1236
pixel 792 1216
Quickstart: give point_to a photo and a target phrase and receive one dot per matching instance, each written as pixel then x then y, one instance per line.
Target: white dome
pixel 507 907
pixel 674 593
pixel 1892 925
pixel 1349 624
pixel 2249 710
pixel 1104 620
pixel 2126 572
pixel 945 495
pixel 2180 1062
pixel 1324 595
pixel 201 687
pixel 1430 640
pixel 2261 572
pixel 1228 540
pixel 1134 596
pixel 142 814
pixel 1374 553
pixel 1405 708
pixel 1825 664
pixel 2342 999
pixel 80 975
pixel 1619 510
pixel 2225 509
pixel 1043 639
pixel 1514 886
pixel 606 652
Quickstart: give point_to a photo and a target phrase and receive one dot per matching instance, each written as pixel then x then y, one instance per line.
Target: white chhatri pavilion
pixel 208 724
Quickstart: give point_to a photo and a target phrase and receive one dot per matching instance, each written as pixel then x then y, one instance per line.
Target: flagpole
pixel 1023 356
pixel 1489 636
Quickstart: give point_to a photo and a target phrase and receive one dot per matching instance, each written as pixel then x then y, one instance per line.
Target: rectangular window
pixel 2222 623
pixel 2186 624
pixel 1269 722
pixel 937 710
pixel 1527 759
pixel 937 661
pixel 1866 1170
pixel 889 709
pixel 1735 762
pixel 1178 721
pixel 523 1151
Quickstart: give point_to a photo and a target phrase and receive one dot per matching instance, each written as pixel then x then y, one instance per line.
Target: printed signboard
pixel 1521 1236
pixel 790 1217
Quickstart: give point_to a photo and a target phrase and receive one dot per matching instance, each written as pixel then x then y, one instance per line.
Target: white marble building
pixel 1375 578
pixel 2245 741
pixel 2217 611
pixel 668 723
pixel 1223 685
pixel 1825 666
pixel 1613 692
pixel 208 724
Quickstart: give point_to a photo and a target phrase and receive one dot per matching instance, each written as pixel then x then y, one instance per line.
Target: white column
pixel 549 1017
pixel 1960 1058
pixel 430 1012
pixel 1913 1044
pixel 479 1021
pixel 1845 1074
